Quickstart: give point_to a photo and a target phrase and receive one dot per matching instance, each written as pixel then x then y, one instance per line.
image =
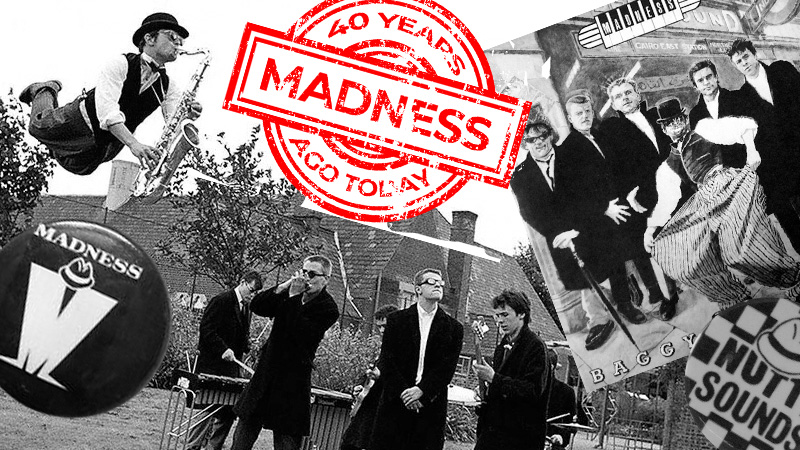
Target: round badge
pixel 743 376
pixel 84 318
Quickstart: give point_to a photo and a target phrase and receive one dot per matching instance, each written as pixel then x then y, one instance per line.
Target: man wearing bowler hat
pixel 722 225
pixel 93 128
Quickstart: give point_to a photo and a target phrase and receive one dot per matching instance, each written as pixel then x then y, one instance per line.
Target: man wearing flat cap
pixel 93 128
pixel 713 215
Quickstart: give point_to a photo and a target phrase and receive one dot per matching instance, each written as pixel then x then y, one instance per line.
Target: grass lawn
pixel 135 425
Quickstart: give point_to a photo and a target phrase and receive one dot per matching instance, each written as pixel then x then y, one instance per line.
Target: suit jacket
pixel 516 410
pixel 395 426
pixel 778 134
pixel 278 394
pixel 584 188
pixel 634 163
pixel 539 208
pixel 222 327
pixel 731 103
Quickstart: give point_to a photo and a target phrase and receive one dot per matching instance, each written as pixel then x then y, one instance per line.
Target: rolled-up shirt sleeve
pixel 108 91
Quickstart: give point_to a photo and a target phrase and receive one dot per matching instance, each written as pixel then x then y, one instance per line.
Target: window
pixel 405 295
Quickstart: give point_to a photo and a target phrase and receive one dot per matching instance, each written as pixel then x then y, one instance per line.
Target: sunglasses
pixel 433 282
pixel 311 274
pixel 172 36
pixel 535 139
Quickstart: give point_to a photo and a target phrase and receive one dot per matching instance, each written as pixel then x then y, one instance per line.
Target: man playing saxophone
pixel 95 127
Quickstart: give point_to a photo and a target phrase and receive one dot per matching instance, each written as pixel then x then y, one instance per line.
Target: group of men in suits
pixel 596 192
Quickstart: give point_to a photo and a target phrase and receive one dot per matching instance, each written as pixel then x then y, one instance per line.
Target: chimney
pixel 459 265
pixel 120 185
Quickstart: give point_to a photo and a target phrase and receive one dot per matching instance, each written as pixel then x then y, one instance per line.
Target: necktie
pixel 549 170
pixel 591 139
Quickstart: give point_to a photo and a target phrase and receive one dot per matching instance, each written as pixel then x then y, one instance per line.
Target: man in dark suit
pixel 224 333
pixel 419 354
pixel 638 146
pixel 358 433
pixel 773 93
pixel 277 397
pixel 534 183
pixel 514 416
pixel 562 401
pixel 716 102
pixel 589 202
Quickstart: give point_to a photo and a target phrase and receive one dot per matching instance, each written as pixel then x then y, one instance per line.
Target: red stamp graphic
pixel 377 111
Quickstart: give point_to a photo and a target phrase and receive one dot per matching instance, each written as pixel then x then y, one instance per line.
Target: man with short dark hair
pixel 534 183
pixel 224 338
pixel 723 225
pixel 277 397
pixel 773 95
pixel 95 127
pixel 419 354
pixel 715 102
pixel 514 415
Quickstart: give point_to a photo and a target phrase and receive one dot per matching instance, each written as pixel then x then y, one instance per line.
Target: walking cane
pixel 596 287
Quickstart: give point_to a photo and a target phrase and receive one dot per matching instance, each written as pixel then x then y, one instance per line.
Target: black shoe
pixel 630 312
pixel 668 308
pixel 29 93
pixel 598 335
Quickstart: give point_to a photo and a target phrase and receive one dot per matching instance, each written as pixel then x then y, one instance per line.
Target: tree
pixel 24 171
pixel 530 265
pixel 226 230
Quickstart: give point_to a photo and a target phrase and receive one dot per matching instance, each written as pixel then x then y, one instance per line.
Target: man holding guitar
pixel 356 437
pixel 514 413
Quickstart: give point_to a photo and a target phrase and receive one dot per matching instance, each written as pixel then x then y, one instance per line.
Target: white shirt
pixel 641 122
pixel 239 298
pixel 109 89
pixel 425 321
pixel 713 106
pixel 761 84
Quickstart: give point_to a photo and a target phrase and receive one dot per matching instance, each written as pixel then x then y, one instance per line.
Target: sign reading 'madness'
pixel 378 112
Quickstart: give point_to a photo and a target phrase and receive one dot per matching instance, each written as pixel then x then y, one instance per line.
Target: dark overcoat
pixel 731 103
pixel 397 428
pixel 279 392
pixel 584 188
pixel 222 327
pixel 514 416
pixel 778 137
pixel 634 162
pixel 539 208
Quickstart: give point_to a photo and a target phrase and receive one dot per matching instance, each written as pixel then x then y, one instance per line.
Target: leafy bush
pixel 342 357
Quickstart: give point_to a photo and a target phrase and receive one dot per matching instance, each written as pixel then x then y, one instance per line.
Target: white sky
pixel 70 41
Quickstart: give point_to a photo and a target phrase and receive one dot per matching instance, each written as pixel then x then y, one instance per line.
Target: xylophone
pixel 190 391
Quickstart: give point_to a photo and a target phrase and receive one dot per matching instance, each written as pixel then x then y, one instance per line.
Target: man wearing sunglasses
pixel 224 338
pixel 95 127
pixel 419 354
pixel 277 397
pixel 723 224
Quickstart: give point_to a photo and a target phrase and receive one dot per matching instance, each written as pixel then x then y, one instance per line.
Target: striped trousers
pixel 724 226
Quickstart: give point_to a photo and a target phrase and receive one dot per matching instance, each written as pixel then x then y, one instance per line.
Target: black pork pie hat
pixel 159 21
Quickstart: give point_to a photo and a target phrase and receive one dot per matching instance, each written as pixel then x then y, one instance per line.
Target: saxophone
pixel 179 136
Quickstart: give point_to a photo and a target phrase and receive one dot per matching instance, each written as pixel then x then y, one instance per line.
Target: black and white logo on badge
pixel 632 20
pixel 61 308
pixel 84 318
pixel 743 376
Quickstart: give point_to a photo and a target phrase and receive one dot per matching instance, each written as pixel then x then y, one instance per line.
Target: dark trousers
pixel 248 429
pixel 64 132
pixel 218 425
